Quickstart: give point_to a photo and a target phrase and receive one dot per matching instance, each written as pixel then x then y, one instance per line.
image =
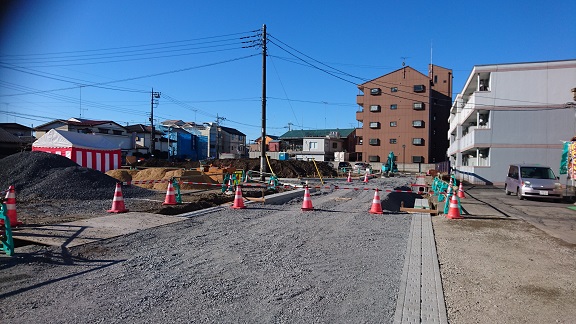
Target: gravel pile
pixel 39 175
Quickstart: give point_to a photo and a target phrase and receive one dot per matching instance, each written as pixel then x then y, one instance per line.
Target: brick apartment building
pixel 406 112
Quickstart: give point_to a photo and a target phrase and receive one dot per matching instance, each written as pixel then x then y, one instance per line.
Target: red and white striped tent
pixel 88 150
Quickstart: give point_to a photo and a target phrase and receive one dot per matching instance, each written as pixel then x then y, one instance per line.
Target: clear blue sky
pixel 100 59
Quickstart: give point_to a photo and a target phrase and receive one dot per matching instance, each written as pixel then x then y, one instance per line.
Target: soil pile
pixel 49 176
pixel 283 169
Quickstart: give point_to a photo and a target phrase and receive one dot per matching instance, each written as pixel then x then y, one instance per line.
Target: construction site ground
pixel 276 263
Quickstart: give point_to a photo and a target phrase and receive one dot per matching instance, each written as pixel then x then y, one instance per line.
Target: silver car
pixel 532 180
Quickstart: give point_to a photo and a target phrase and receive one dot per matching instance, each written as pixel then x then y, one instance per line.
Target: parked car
pixel 360 166
pixel 532 180
pixel 344 166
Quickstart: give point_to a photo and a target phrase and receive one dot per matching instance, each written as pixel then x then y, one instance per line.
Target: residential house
pixel 232 142
pixel 511 113
pixel 15 138
pixel 320 145
pixel 405 112
pixel 140 136
pixel 257 145
pixel 113 132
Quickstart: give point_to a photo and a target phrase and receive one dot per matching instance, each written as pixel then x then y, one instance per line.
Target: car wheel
pixel 519 194
pixel 506 190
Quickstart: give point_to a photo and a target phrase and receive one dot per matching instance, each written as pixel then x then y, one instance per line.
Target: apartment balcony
pixel 476 137
pixel 360 116
pixel 360 100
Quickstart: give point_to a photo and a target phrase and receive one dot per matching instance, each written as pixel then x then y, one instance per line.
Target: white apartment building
pixel 511 113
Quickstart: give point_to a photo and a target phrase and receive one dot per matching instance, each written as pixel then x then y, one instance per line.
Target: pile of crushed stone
pixel 40 175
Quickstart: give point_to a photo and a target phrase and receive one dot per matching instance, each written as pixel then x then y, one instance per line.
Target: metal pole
pixel 403 157
pixel 263 137
pixel 152 145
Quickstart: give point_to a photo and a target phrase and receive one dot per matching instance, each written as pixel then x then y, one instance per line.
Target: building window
pixel 375 91
pixel 394 89
pixel 312 145
pixel 374 125
pixel 418 141
pixel 374 141
pixel 418 106
pixel 419 88
pixel 393 107
pixel 435 79
pixel 334 145
pixel 392 141
pixel 417 159
pixel 373 158
pixel 417 123
pixel 117 132
pixel 393 124
pixel 103 130
pixel 375 108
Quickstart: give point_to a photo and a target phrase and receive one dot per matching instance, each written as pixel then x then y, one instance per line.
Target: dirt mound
pixel 283 169
pixel 39 175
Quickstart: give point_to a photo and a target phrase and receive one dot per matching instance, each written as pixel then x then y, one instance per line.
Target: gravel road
pixel 263 264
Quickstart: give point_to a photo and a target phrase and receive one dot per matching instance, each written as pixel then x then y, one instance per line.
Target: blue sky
pixel 100 59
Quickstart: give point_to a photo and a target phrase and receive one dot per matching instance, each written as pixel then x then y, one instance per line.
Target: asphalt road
pixel 553 217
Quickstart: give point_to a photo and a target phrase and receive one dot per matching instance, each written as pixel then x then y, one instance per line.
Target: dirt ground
pixel 493 270
pixel 498 270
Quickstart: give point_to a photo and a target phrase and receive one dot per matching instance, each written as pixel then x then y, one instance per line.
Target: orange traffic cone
pixel 170 195
pixel 307 203
pixel 118 201
pixel 461 191
pixel 366 177
pixel 454 210
pixel 349 177
pixel 238 201
pixel 376 204
pixel 11 207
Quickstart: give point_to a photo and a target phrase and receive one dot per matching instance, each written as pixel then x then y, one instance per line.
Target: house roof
pixel 232 131
pixel 7 137
pixel 293 134
pixel 141 128
pixel 60 138
pixel 272 137
pixel 14 125
pixel 77 122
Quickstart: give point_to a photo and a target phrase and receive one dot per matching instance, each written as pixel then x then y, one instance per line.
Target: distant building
pixel 511 113
pixel 320 144
pixel 406 112
pixel 15 138
pixel 113 132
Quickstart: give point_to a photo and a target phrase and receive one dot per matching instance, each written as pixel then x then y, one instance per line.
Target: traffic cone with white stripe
pixel 366 177
pixel 238 201
pixel 118 201
pixel 376 204
pixel 461 191
pixel 307 203
pixel 349 177
pixel 170 195
pixel 454 211
pixel 11 207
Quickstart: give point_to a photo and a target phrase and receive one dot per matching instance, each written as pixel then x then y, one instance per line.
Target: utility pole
pixel 263 138
pixel 153 95
pixel 218 133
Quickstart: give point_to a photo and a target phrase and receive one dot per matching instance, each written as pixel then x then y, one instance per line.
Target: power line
pixel 135 78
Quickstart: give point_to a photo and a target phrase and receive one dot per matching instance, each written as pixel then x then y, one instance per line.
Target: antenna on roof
pixel 404 60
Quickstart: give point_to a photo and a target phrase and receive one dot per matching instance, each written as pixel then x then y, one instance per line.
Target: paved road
pixel 554 218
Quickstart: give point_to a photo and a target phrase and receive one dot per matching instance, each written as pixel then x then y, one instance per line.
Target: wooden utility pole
pixel 263 138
